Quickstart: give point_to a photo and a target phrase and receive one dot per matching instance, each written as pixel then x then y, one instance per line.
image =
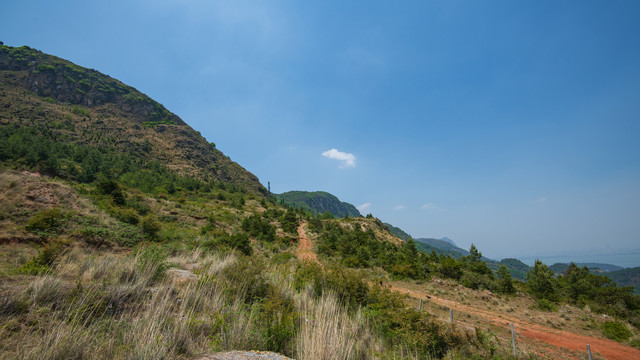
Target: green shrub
pixel 615 331
pixel 45 259
pixel 280 322
pixel 128 216
pixel 289 222
pixel 261 229
pixel 546 305
pixel 46 222
pixel 150 227
pixel 451 268
pixel 80 111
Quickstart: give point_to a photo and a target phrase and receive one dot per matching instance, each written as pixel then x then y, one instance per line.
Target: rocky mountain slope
pixel 56 99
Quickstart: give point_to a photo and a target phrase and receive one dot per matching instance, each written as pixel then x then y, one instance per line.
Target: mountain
pixel 397 231
pixel 627 277
pixel 594 268
pixel 442 246
pixel 517 268
pixel 449 241
pixel 446 246
pixel 46 101
pixel 318 202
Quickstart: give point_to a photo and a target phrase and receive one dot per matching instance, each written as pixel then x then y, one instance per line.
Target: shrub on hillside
pixel 615 330
pixel 47 222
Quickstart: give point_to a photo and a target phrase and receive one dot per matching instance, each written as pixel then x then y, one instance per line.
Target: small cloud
pixel 348 160
pixel 398 207
pixel 540 200
pixel 428 206
pixel 364 207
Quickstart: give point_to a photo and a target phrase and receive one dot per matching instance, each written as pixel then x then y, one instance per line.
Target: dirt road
pixel 568 345
pixel 305 246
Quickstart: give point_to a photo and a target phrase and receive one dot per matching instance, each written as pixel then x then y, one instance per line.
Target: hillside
pixel 317 202
pixel 627 277
pixel 397 231
pixel 517 268
pixel 594 268
pixel 442 246
pixel 48 102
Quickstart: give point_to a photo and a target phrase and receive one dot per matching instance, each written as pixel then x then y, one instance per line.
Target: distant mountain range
pixel 594 268
pixel 318 202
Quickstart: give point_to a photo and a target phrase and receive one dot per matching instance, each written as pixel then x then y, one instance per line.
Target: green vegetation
pixel 616 331
pixel 397 232
pixel 627 277
pixel 317 202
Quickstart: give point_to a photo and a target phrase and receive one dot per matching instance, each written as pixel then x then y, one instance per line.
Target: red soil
pixel 567 345
pixel 305 246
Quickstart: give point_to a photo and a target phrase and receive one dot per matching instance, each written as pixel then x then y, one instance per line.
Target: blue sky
pixel 511 125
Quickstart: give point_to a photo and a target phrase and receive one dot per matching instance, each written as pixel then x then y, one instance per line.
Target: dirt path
pixel 531 332
pixel 305 246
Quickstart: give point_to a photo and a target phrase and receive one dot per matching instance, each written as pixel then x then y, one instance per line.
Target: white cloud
pixel 398 207
pixel 348 160
pixel 540 200
pixel 428 206
pixel 364 207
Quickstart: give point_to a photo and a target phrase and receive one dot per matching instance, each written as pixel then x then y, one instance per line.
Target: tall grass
pixel 130 307
pixel 329 332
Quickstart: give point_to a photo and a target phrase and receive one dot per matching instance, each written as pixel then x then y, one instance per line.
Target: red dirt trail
pixel 305 246
pixel 607 349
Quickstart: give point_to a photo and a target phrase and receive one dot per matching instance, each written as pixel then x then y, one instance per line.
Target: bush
pixel 128 216
pixel 43 262
pixel 615 331
pixel 150 227
pixel 289 222
pixel 280 322
pixel 47 222
pixel 546 305
pixel 262 230
pixel 451 268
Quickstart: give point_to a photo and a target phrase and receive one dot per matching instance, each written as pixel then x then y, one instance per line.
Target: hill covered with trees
pixel 317 202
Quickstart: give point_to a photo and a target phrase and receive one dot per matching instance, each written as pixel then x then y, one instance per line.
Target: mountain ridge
pixel 318 202
pixel 61 100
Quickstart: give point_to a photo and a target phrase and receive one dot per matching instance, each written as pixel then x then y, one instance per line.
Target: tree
pixel 475 256
pixel 505 284
pixel 410 249
pixel 541 283
pixel 475 263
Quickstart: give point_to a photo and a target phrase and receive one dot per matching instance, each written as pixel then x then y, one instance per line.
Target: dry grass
pixel 328 331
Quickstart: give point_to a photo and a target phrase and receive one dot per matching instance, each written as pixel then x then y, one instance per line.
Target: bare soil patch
pixel 305 246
